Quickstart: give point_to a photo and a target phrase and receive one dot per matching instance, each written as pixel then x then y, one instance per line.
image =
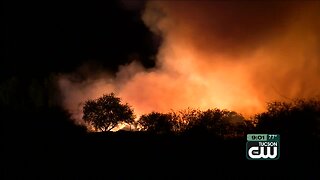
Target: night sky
pixel 43 37
pixel 160 55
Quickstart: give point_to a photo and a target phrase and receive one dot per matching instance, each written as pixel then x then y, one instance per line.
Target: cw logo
pixel 258 152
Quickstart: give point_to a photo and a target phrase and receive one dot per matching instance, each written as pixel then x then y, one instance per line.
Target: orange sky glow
pixel 215 55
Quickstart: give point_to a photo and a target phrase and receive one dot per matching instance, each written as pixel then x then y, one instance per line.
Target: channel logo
pixel 263 146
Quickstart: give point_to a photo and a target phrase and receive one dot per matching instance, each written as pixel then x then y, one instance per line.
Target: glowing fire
pixel 201 66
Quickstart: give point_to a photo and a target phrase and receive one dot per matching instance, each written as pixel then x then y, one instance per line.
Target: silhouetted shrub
pixel 218 122
pixel 106 112
pixel 297 118
pixel 183 119
pixel 156 122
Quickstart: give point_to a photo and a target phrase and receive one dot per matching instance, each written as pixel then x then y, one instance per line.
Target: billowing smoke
pixel 231 55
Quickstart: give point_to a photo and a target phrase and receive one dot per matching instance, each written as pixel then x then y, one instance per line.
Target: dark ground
pixel 128 155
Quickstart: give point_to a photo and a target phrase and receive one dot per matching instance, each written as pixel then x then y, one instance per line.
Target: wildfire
pixel 209 59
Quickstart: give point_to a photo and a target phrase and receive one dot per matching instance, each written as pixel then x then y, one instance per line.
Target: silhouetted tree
pixel 182 119
pixel 106 112
pixel 296 121
pixel 156 122
pixel 249 126
pixel 296 118
pixel 218 122
pixel 236 124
